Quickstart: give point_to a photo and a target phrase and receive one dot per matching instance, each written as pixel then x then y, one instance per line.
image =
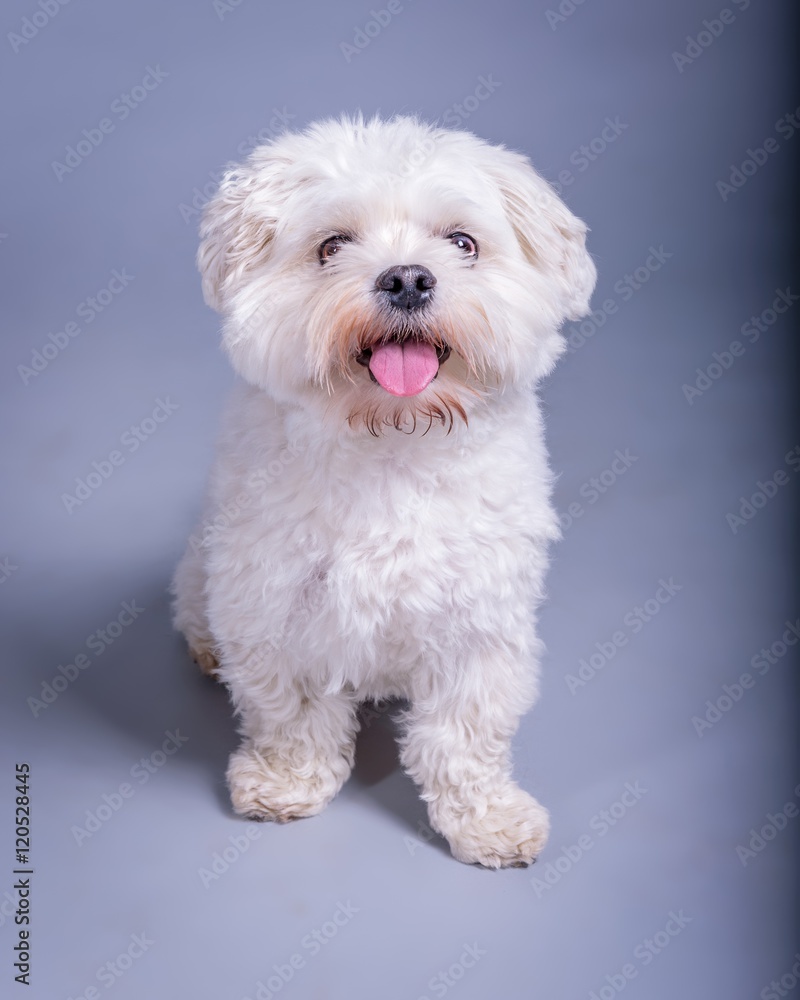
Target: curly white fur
pixel 358 544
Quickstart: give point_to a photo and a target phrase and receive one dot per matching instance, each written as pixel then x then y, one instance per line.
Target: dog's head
pixel 393 270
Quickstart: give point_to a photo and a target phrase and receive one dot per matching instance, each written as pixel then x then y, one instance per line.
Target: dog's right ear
pixel 238 224
pixel 550 236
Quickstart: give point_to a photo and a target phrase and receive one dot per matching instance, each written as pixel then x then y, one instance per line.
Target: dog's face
pixel 394 271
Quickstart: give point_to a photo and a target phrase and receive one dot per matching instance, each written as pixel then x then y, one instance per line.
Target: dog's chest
pixel 375 552
pixel 406 538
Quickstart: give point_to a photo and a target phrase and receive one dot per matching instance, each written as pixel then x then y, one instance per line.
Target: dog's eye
pixel 465 243
pixel 332 246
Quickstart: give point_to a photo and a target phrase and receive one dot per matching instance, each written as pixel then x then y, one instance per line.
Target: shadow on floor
pixel 144 684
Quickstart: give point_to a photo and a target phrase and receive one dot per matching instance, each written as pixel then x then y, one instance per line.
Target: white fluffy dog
pixel 379 511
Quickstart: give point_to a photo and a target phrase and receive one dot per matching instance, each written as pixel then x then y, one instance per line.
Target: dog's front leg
pixel 298 744
pixel 457 748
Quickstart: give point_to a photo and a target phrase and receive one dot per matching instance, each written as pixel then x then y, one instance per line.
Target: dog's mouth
pixel 403 366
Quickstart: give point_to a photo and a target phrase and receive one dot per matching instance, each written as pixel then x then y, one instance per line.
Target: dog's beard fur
pixel 347 334
pixel 439 406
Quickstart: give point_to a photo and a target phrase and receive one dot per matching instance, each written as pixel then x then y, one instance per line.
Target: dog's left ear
pixel 239 223
pixel 551 237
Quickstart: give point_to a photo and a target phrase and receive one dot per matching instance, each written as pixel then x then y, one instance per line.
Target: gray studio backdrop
pixel 660 740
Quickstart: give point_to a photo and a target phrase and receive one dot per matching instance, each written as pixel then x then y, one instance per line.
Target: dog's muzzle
pixel 404 364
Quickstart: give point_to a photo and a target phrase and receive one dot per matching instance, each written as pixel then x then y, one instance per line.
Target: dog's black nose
pixel 406 286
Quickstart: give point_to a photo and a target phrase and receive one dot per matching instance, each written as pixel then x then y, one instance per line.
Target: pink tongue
pixel 404 369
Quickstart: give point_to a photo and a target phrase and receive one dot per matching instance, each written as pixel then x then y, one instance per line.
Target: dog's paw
pixel 507 830
pixel 267 788
pixel 206 659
